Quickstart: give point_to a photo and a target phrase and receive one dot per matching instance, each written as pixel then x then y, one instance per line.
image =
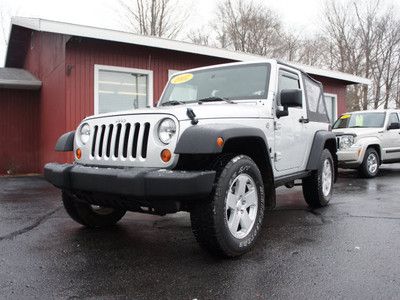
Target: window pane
pixel 288 82
pixel 393 118
pixel 234 82
pixel 121 91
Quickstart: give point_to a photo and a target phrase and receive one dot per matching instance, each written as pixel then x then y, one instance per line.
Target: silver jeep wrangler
pixel 219 142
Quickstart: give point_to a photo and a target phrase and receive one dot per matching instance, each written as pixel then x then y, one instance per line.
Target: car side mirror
pixel 393 126
pixel 289 98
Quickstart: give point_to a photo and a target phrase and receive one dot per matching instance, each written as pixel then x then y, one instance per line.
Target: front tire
pixel 230 220
pixel 370 165
pixel 317 188
pixel 89 215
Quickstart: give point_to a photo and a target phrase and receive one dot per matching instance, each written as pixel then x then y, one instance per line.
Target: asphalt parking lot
pixel 349 250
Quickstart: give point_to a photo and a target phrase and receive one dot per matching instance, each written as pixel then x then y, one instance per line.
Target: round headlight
pixel 84 133
pixel 346 141
pixel 166 130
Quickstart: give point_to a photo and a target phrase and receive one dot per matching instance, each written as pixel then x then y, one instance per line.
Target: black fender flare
pixel 320 140
pixel 66 142
pixel 202 139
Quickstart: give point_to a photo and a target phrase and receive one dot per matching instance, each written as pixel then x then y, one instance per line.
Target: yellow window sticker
pixel 345 117
pixel 182 78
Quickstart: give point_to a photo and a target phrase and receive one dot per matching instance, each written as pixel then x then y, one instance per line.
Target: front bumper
pixel 142 183
pixel 350 158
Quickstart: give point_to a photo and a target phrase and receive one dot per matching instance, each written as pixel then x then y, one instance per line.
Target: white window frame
pixel 335 113
pixel 98 68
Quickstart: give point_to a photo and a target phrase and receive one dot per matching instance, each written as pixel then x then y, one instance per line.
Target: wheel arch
pixel 378 149
pixel 322 140
pixel 238 139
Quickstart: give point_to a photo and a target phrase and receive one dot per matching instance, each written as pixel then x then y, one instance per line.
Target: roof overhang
pixel 149 41
pixel 12 78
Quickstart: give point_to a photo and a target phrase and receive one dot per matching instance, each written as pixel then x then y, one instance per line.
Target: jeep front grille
pixel 128 140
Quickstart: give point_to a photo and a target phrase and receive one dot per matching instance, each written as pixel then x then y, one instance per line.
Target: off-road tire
pixel 363 169
pixel 313 185
pixel 208 217
pixel 84 214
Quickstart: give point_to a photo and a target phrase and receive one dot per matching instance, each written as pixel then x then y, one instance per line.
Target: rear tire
pixel 230 220
pixel 89 215
pixel 370 165
pixel 317 188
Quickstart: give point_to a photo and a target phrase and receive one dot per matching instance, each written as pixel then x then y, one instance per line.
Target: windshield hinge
pixel 192 116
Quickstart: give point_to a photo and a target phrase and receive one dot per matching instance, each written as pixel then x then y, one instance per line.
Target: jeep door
pixel 290 141
pixel 391 139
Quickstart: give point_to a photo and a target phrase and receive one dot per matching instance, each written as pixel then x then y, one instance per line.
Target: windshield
pixel 360 120
pixel 238 82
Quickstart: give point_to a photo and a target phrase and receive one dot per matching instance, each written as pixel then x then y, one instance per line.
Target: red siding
pixel 46 60
pixel 19 142
pixel 83 54
pixel 333 86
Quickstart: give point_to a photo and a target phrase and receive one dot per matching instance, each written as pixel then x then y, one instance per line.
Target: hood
pixel 202 111
pixel 360 132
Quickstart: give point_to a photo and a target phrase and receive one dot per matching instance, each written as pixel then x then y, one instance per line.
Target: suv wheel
pixel 90 215
pixel 370 165
pixel 229 222
pixel 317 188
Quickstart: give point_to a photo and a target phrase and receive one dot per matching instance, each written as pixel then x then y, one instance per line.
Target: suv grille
pixel 128 140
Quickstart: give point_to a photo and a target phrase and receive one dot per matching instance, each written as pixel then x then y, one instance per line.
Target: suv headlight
pixel 166 130
pixel 84 133
pixel 346 141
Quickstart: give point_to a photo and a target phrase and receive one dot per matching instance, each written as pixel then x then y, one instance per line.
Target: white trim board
pixel 127 37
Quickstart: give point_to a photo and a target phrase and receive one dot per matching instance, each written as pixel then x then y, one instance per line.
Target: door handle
pixel 304 120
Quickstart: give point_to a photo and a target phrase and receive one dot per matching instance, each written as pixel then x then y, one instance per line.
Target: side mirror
pixel 289 98
pixel 393 126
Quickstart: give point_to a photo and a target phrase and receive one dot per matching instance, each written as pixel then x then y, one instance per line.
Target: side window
pixel 393 118
pixel 316 108
pixel 287 81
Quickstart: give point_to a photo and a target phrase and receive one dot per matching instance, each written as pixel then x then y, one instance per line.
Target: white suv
pixel 367 139
pixel 219 142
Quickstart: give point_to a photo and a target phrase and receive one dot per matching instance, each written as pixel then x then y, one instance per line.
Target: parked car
pixel 367 139
pixel 219 142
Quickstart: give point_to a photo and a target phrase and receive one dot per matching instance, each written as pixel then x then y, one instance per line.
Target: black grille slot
pixel 102 131
pixel 119 126
pixel 145 139
pixel 135 140
pixel 96 128
pixel 108 148
pixel 126 139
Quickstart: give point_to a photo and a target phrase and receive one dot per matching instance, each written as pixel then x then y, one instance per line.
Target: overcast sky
pixel 301 15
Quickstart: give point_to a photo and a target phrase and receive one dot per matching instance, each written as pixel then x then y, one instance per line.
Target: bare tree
pixel 154 17
pixel 247 26
pixel 199 37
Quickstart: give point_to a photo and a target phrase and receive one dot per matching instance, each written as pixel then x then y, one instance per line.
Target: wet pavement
pixel 350 249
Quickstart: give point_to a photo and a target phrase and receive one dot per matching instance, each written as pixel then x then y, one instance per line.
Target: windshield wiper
pixel 214 99
pixel 172 102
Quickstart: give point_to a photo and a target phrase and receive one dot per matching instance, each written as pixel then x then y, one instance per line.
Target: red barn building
pixel 57 73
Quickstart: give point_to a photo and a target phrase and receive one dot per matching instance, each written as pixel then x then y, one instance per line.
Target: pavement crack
pixel 373 217
pixel 28 228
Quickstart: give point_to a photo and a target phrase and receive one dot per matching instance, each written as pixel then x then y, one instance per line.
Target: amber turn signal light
pixel 220 142
pixel 78 153
pixel 166 155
